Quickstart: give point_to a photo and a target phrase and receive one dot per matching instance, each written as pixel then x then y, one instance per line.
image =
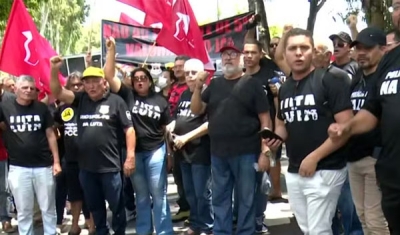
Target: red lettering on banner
pixel 207 44
pixel 238 23
pixel 133 48
pixel 115 31
pixel 124 31
pixel 107 31
pixel 207 29
pixel 219 43
pixel 223 26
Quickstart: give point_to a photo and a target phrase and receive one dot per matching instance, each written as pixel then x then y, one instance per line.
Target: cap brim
pixel 229 48
pixel 333 36
pixel 365 43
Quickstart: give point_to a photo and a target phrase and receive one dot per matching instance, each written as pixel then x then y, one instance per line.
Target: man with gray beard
pixel 237 108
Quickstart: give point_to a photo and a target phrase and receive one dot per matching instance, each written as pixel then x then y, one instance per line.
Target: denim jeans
pixel 4 217
pixel 27 182
pixel 261 200
pixel 99 187
pixel 228 173
pixel 349 219
pixel 150 184
pixel 197 184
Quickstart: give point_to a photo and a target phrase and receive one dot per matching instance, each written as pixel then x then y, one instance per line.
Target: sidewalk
pixel 279 217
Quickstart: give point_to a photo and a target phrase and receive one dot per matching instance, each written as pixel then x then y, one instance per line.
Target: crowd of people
pixel 114 136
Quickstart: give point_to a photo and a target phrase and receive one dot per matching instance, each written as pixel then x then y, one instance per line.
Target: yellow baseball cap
pixel 169 65
pixel 93 72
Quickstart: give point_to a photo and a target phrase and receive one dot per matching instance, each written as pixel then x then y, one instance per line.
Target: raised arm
pixel 57 90
pixel 109 67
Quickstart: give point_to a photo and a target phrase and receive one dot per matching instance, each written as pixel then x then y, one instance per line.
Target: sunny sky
pixel 279 12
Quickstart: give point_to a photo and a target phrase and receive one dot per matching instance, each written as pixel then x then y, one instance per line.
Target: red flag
pixel 125 19
pixel 180 31
pixel 24 50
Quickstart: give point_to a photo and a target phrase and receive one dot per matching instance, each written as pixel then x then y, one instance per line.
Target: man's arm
pixel 363 122
pixel 279 59
pixel 197 133
pixel 280 129
pixel 197 106
pixel 109 68
pixel 52 140
pixel 130 139
pixel 57 90
pixel 265 122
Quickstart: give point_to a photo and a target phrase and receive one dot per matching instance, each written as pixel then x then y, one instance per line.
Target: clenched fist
pixel 110 44
pixel 352 21
pixel 287 28
pixel 201 77
pixel 56 62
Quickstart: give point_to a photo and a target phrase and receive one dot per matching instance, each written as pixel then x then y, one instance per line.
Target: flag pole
pixel 148 54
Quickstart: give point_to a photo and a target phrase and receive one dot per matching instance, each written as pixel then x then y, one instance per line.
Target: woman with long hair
pixel 150 115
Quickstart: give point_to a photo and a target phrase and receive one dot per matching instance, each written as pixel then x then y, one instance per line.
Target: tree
pixel 275 31
pixel 376 12
pixel 90 31
pixel 315 6
pixel 32 5
pixel 264 36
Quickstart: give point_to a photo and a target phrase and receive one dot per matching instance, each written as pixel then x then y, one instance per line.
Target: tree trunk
pixel 252 5
pixel 264 35
pixel 45 11
pixel 315 6
pixel 375 14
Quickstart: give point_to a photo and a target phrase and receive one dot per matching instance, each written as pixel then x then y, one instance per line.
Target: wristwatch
pixel 268 154
pixel 271 157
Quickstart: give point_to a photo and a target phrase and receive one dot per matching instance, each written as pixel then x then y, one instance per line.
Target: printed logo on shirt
pixel 389 86
pixel 358 99
pixel 299 109
pixel 25 123
pixel 96 119
pixel 184 109
pixel 128 115
pixel 147 110
pixel 104 109
pixel 67 114
pixel 70 129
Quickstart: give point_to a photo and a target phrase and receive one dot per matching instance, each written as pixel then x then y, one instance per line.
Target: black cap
pixel 370 37
pixel 343 36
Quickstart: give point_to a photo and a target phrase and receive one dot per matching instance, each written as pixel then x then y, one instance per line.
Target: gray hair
pixel 25 78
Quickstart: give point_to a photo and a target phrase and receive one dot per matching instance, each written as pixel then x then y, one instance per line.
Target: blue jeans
pixel 349 219
pixel 150 184
pixel 197 184
pixel 3 192
pixel 234 172
pixel 99 187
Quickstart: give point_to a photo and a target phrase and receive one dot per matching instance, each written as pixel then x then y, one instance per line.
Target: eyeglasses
pixel 339 44
pixel 78 85
pixel 272 45
pixel 231 54
pixel 142 78
pixel 190 73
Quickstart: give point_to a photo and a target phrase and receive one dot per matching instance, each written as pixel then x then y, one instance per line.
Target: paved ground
pixel 279 217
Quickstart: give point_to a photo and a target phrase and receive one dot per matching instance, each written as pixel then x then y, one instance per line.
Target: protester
pixel 316 170
pixel 102 118
pixel 273 44
pixel 150 114
pixel 343 60
pixel 176 90
pixel 189 134
pixel 364 149
pixel 323 53
pixel 391 40
pixel 237 108
pixel 164 83
pixel 9 83
pixel 33 155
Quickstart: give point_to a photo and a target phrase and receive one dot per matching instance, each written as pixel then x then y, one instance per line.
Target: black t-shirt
pixel 384 103
pixel 232 108
pixel 367 144
pixel 25 137
pixel 150 115
pixel 100 126
pixel 350 68
pixel 60 127
pixel 66 115
pixel 268 70
pixel 196 151
pixel 307 119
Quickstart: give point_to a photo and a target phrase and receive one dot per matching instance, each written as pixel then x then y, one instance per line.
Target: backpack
pixel 319 90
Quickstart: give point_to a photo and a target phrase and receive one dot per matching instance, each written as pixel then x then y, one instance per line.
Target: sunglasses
pixel 272 45
pixel 190 73
pixel 142 78
pixel 339 45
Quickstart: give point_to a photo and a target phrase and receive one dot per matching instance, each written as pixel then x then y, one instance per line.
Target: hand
pixel 338 131
pixel 56 169
pixel 352 21
pixel 88 57
pixel 308 166
pixel 129 165
pixel 287 28
pixel 273 144
pixel 274 89
pixel 170 162
pixel 180 141
pixel 56 62
pixel 263 163
pixel 201 77
pixel 110 44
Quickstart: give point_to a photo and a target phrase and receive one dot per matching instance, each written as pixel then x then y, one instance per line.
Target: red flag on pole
pixel 24 50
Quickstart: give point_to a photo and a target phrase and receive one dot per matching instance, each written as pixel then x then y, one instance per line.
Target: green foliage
pixel 93 32
pixel 58 20
pixel 275 31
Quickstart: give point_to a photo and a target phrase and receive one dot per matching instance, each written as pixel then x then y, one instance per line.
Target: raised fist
pixel 352 21
pixel 110 43
pixel 287 28
pixel 201 78
pixel 56 62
